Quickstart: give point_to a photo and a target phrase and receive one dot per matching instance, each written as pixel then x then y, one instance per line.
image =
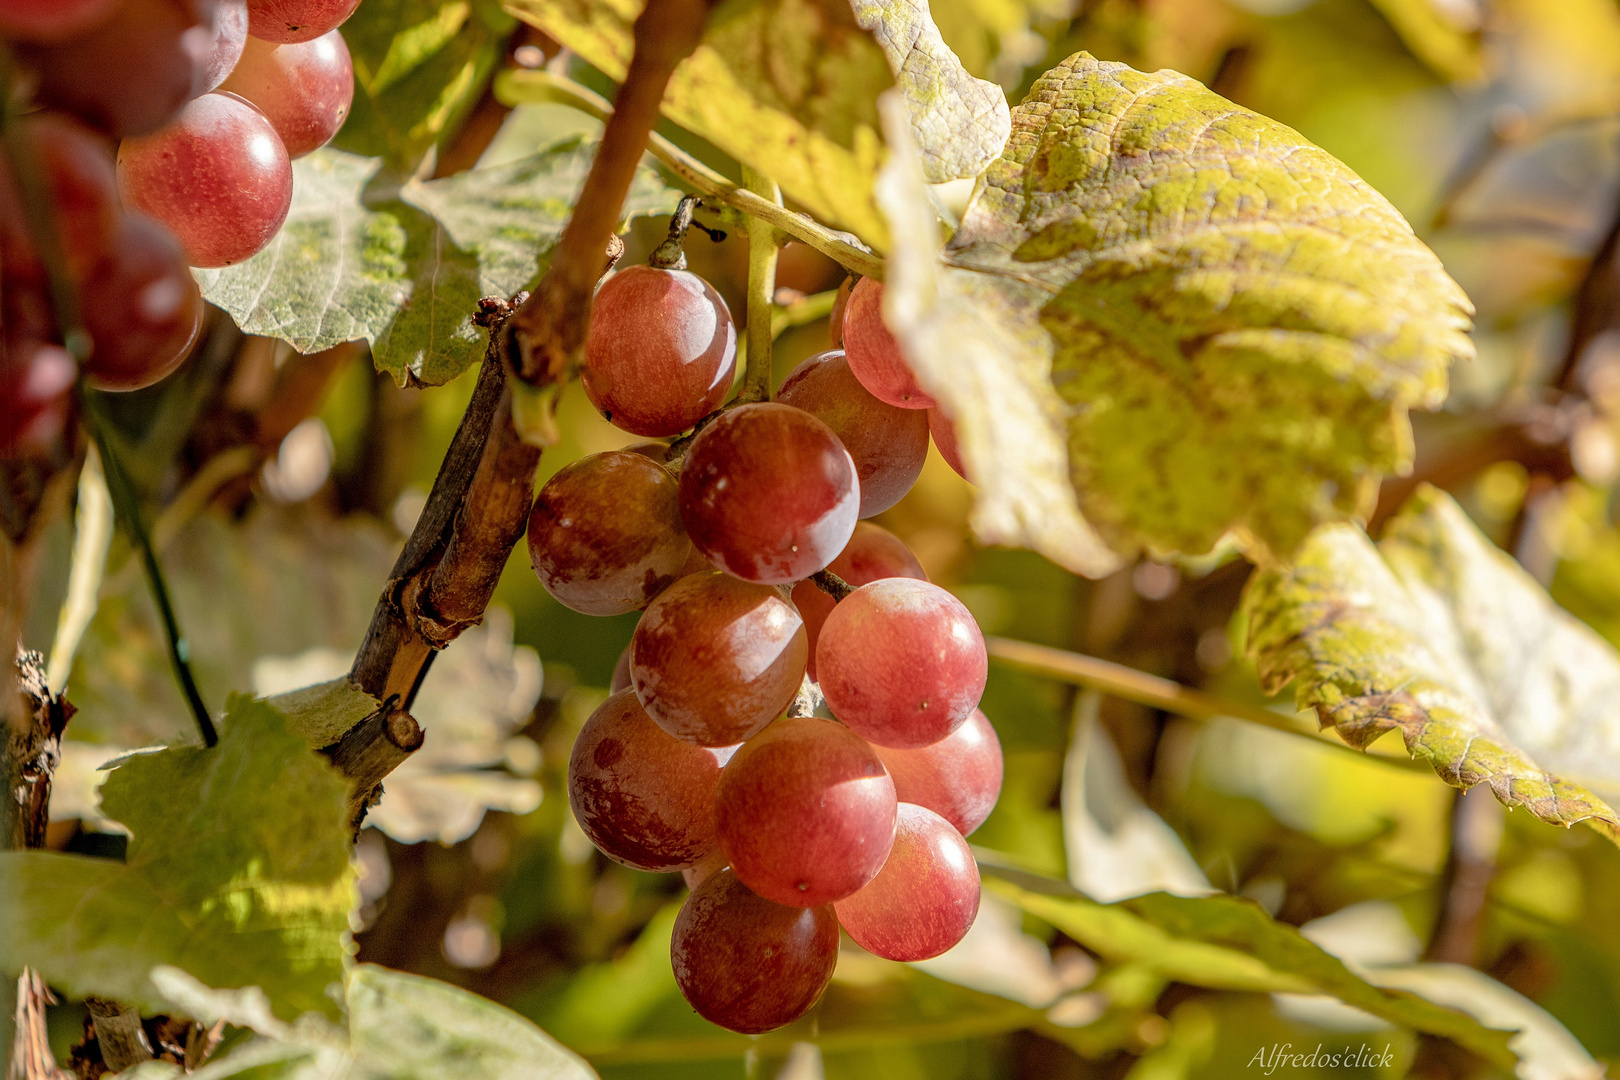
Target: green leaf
pixel 237 873
pixel 1437 633
pixel 1229 943
pixel 1221 324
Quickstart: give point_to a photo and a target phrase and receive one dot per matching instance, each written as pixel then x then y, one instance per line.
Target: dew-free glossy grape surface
pixel 645 799
pixel 218 177
pixel 888 445
pixel 874 355
pixel 605 533
pixel 284 21
pixel 305 89
pixel 51 20
pixel 806 812
pixel 36 380
pixel 872 553
pixel 944 435
pixel 746 963
pixel 901 662
pixel 715 659
pixel 958 778
pixel 661 350
pixel 925 898
pixel 78 173
pixel 768 493
pixel 144 308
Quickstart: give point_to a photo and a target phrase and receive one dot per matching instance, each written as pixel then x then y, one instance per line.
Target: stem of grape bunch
pixel 762 252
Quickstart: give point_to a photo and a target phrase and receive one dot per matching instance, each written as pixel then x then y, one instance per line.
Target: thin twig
pixel 841 247
pixel 762 253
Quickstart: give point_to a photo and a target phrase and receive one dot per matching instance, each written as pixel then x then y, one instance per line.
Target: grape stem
pixel 671 254
pixel 519 86
pixel 831 584
pixel 762 252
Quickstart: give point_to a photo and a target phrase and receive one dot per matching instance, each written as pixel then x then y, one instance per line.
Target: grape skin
pixel 36 380
pixel 289 21
pixel 958 778
pixel 888 445
pixel 769 494
pixel 806 812
pixel 230 38
pixel 143 308
pixel 714 659
pixel 874 355
pixel 746 963
pixel 645 799
pixel 925 898
pixel 872 553
pixel 621 673
pixel 51 20
pixel 944 434
pixel 605 533
pixel 218 177
pixel 901 662
pixel 661 351
pixel 305 88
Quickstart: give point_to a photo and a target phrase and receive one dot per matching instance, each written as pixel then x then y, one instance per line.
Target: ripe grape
pixel 661 350
pixel 888 445
pixel 768 493
pixel 621 673
pixel 715 659
pixel 218 177
pixel 645 799
pixel 305 89
pixel 51 20
pixel 284 21
pixel 35 383
pixel 872 553
pixel 806 812
pixel 958 778
pixel 605 533
pixel 142 307
pixel 132 73
pixel 835 321
pixel 230 37
pixel 747 964
pixel 944 433
pixel 925 898
pixel 83 189
pixel 874 355
pixel 901 662
pixel 701 871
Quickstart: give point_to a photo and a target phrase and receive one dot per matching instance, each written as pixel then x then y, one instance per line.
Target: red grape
pixel 835 321
pixel 51 20
pixel 700 872
pixel 768 493
pixel 77 170
pixel 132 73
pixel 284 21
pixel 925 898
pixel 874 355
pixel 888 445
pixel 901 662
pixel 35 383
pixel 645 799
pixel 621 673
pixel 958 778
pixel 142 307
pixel 305 88
pixel 871 554
pixel 806 812
pixel 944 433
pixel 661 350
pixel 605 533
pixel 230 37
pixel 747 964
pixel 218 177
pixel 715 659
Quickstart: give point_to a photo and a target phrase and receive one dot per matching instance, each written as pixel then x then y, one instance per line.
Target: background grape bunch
pixel 763 593
pixel 146 137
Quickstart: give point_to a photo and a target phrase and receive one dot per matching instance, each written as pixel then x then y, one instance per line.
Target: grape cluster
pixel 162 140
pixel 709 757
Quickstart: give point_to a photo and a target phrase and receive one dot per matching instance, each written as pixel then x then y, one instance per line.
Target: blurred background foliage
pixel 283 485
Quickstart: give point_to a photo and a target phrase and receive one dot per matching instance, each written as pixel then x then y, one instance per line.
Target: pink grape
pixel 925 898
pixel 715 659
pixel 901 662
pixel 888 445
pixel 646 800
pixel 944 433
pixel 51 20
pixel 218 177
pixel 958 778
pixel 84 193
pixel 746 963
pixel 605 533
pixel 872 553
pixel 230 37
pixel 143 308
pixel 305 88
pixel 661 351
pixel 768 493
pixel 284 21
pixel 806 812
pixel 36 383
pixel 874 355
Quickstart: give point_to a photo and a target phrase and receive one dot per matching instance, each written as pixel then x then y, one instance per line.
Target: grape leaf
pixel 237 873
pixel 1437 633
pixel 1224 325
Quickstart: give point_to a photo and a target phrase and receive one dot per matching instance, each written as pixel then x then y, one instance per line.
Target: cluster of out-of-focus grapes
pixel 145 137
